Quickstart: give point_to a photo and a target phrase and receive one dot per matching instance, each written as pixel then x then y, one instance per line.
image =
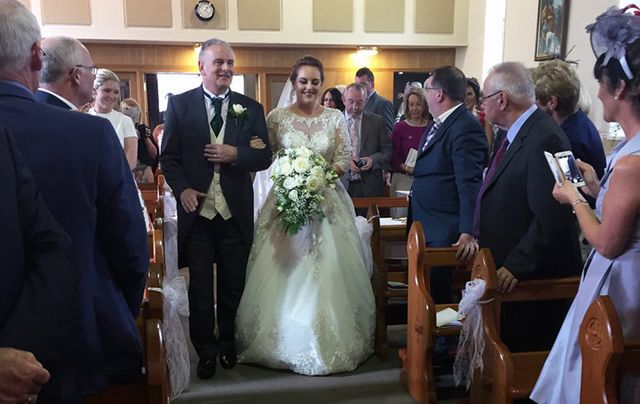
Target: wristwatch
pixel 204 10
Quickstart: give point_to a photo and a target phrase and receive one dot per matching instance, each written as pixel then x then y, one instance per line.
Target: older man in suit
pixel 448 172
pixel 207 160
pixel 67 75
pixel 530 235
pixel 371 147
pixel 82 174
pixel 38 287
pixel 376 104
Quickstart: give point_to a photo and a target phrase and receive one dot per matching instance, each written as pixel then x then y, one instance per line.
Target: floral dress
pixel 308 303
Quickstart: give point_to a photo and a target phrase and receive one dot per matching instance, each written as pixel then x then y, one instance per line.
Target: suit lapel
pixel 514 147
pixel 365 129
pixel 231 123
pixel 443 129
pixel 198 113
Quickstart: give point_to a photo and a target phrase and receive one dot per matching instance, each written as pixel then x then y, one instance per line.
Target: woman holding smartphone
pixel 614 230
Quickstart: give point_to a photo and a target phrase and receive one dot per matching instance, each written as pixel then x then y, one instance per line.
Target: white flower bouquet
pixel 299 178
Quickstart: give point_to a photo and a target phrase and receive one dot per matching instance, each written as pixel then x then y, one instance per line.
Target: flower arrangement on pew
pixel 300 176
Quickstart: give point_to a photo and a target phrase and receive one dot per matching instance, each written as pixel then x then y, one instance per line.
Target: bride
pixel 308 304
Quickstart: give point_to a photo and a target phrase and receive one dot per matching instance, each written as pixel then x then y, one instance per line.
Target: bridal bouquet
pixel 299 178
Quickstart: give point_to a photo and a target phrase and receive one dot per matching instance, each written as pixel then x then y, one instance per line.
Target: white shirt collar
pixel 446 114
pixel 61 98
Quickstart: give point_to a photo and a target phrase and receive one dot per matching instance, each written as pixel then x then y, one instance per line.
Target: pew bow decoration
pixel 471 342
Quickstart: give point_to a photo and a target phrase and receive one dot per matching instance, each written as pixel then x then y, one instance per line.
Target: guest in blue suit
pixel 67 75
pixel 39 282
pixel 85 181
pixel 448 172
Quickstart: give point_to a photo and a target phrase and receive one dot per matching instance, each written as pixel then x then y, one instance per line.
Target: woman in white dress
pixel 308 304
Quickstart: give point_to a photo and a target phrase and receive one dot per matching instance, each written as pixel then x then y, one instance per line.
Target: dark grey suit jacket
pixel 186 132
pixel 374 143
pixel 377 104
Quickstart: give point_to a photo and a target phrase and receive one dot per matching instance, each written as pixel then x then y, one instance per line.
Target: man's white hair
pixel 19 30
pixel 514 79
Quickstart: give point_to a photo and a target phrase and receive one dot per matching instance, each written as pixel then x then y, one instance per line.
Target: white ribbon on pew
pixel 471 342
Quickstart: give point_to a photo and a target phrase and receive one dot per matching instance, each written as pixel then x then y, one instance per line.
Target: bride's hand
pixel 256 143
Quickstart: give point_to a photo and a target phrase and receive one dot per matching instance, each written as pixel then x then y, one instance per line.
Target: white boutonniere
pixel 238 112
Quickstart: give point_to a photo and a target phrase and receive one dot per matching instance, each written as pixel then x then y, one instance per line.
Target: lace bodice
pixel 325 134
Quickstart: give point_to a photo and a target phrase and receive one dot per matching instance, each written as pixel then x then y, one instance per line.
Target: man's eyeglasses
pixel 483 99
pixel 432 88
pixel 92 69
pixel 43 53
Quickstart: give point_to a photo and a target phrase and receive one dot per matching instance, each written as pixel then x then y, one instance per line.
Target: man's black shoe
pixel 228 358
pixel 206 369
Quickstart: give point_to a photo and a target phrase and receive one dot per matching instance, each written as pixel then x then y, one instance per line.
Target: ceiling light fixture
pixel 367 51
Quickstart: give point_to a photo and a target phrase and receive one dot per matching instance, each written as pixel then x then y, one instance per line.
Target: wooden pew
pixel 606 354
pixel 417 359
pixel 508 376
pixel 381 273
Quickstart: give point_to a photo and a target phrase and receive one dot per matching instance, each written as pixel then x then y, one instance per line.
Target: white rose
pixel 293 195
pixel 285 167
pixel 304 152
pixel 317 171
pixel 238 109
pixel 290 183
pixel 301 164
pixel 313 183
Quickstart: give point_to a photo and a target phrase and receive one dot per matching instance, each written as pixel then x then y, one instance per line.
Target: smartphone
pixel 569 168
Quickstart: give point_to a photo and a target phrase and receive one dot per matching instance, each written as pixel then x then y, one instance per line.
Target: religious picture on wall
pixel 551 29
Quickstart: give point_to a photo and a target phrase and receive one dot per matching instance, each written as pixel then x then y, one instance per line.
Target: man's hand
pixel 21 376
pixel 506 281
pixel 368 163
pixel 467 247
pixel 256 143
pixel 189 199
pixel 220 153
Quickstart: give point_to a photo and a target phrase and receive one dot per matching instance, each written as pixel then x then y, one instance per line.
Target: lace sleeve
pixel 272 128
pixel 342 152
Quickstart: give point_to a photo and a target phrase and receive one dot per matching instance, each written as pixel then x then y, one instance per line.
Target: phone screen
pixel 570 169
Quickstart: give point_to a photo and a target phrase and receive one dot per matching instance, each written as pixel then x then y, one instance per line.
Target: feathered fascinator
pixel 613 31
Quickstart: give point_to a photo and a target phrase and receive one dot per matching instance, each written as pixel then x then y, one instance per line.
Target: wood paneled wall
pixel 340 64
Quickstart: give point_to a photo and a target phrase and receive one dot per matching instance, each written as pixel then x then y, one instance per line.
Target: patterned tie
pixel 432 131
pixel 497 158
pixel 355 146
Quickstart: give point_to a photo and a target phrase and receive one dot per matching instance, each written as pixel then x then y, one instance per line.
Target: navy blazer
pixel 447 177
pixel 186 132
pixel 85 181
pixel 39 277
pixel 527 230
pixel 46 98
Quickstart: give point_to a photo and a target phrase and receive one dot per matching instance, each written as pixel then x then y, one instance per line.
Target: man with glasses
pixel 448 172
pixel 67 74
pixel 530 235
pixel 85 181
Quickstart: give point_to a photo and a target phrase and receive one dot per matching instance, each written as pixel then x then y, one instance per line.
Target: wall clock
pixel 204 10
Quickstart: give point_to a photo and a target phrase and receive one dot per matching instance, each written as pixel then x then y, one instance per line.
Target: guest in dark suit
pixel 376 104
pixel 207 160
pixel 530 235
pixel 558 93
pixel 448 172
pixel 68 71
pixel 39 282
pixel 371 147
pixel 82 174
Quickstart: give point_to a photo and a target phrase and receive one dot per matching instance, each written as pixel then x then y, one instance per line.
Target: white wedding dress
pixel 308 303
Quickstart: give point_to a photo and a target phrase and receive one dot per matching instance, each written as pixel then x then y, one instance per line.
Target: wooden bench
pixel 508 376
pixel 381 272
pixel 417 359
pixel 606 354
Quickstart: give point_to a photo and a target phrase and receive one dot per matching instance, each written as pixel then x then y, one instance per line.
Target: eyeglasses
pixel 92 69
pixel 432 88
pixel 43 53
pixel 483 99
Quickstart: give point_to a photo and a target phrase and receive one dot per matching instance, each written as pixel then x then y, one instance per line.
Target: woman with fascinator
pixel 614 230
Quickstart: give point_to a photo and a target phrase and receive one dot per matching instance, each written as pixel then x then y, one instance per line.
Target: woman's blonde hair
pixel 104 75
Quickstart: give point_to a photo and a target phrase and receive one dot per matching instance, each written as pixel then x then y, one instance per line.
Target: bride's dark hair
pixel 306 61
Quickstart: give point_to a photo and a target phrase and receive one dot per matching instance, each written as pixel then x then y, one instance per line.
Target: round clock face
pixel 205 10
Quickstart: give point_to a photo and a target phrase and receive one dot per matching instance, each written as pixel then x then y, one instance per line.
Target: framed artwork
pixel 551 33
